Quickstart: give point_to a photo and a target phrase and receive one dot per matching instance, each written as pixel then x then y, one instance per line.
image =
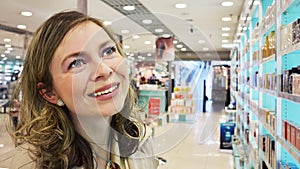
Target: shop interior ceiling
pixel 198 27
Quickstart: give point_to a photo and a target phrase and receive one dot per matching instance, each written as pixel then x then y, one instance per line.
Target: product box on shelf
pixel 298 138
pixel 288 132
pixel 293 134
pixel 284 129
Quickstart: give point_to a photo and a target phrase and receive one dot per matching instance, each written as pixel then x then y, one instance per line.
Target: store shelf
pixel 290 49
pixel 268 91
pixel 291 97
pixel 294 152
pixel 262 155
pixel 265 60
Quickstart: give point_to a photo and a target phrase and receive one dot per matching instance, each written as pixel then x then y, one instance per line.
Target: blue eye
pixel 76 63
pixel 109 51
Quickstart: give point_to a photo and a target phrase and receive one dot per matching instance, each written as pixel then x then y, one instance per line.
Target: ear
pixel 47 94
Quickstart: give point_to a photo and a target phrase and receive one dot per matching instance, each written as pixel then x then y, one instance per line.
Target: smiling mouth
pixel 107 91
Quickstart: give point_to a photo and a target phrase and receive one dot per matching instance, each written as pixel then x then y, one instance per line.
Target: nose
pixel 102 72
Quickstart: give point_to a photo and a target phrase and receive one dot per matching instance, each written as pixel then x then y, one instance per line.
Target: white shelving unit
pixel 265 53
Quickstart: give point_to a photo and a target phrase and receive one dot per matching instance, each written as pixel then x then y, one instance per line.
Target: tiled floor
pixel 199 147
pixel 184 145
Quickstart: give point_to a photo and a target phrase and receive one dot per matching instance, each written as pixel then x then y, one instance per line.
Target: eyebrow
pixel 102 45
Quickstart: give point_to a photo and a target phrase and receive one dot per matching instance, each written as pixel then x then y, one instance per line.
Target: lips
pixel 105 90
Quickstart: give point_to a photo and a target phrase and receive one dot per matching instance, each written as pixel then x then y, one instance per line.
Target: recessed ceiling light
pixel 124 31
pixel 201 41
pixel 21 26
pixel 147 21
pixel 225 41
pixel 166 35
pixel 129 7
pixel 107 22
pixel 135 36
pixel 159 30
pixel 225 34
pixel 26 13
pixel 205 49
pixel 7 51
pixel 18 57
pixel 180 5
pixel 147 42
pixel 7 45
pixel 149 54
pixel 227 3
pixel 2 55
pixel 237 41
pixel 7 40
pixel 179 46
pixel 10 49
pixel 183 49
pixel 126 47
pixel 175 41
pixel 225 29
pixel 226 19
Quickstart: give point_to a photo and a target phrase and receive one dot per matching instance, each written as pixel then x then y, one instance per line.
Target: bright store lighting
pixel 7 51
pixel 159 30
pixel 175 41
pixel 107 22
pixel 183 49
pixel 205 49
pixel 149 54
pixel 135 36
pixel 179 46
pixel 201 41
pixel 225 41
pixel 256 2
pixel 230 45
pixel 226 19
pixel 147 21
pixel 180 5
pixel 18 57
pixel 2 55
pixel 225 29
pixel 8 46
pixel 124 31
pixel 7 40
pixel 227 3
pixel 240 34
pixel 26 13
pixel 147 42
pixel 126 47
pixel 225 34
pixel 166 35
pixel 21 26
pixel 10 49
pixel 129 7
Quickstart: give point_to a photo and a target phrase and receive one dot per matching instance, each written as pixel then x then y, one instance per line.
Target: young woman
pixel 76 101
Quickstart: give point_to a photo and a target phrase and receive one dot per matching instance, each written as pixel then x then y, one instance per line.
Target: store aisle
pixel 200 147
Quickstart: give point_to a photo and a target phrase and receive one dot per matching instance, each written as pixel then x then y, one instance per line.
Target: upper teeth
pixel 106 91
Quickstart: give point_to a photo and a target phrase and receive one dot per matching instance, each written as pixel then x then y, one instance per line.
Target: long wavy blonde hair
pixel 48 127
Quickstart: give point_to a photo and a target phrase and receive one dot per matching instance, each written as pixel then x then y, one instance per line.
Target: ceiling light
pixel 227 3
pixel 8 46
pixel 226 19
pixel 225 41
pixel 166 35
pixel 180 5
pixel 147 42
pixel 240 34
pixel 201 41
pixel 107 22
pixel 7 40
pixel 225 34
pixel 7 51
pixel 2 55
pixel 225 29
pixel 124 31
pixel 21 26
pixel 147 21
pixel 158 30
pixel 256 2
pixel 135 36
pixel 149 54
pixel 179 46
pixel 18 57
pixel 126 47
pixel 230 45
pixel 175 41
pixel 205 49
pixel 237 41
pixel 10 49
pixel 183 49
pixel 26 13
pixel 129 7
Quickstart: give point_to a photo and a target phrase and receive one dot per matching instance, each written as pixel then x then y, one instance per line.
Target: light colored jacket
pixel 143 158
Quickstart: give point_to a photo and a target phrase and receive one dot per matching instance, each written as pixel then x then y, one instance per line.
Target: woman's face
pixel 89 74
